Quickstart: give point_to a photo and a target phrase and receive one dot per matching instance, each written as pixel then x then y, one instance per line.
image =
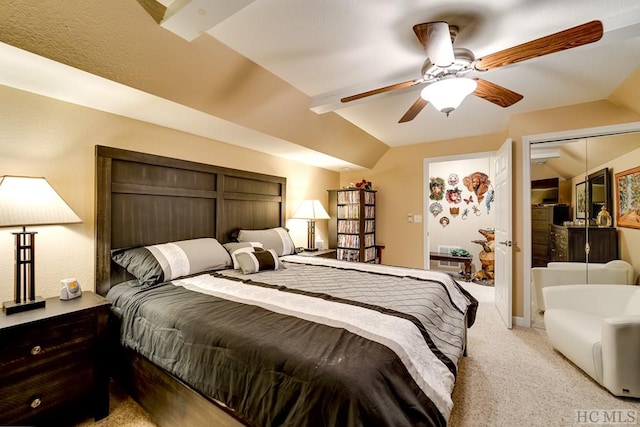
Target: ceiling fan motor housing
pixel 461 66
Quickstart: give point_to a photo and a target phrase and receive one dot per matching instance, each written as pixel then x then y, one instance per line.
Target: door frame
pixel 527 140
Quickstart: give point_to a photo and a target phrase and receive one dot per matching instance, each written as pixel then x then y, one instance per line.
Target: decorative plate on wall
pixel 435 208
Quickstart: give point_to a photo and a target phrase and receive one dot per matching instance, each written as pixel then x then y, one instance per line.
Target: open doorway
pixel 458 202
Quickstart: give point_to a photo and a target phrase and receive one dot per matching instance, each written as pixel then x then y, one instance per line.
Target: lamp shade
pixel 32 201
pixel 447 95
pixel 311 209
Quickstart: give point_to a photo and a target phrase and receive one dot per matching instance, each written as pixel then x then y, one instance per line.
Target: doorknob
pixel 508 243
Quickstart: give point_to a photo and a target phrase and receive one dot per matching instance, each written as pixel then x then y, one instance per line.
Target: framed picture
pixel 581 200
pixel 628 198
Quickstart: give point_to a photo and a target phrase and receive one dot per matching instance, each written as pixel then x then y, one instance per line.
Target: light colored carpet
pixel 509 378
pixel 123 412
pixel 515 378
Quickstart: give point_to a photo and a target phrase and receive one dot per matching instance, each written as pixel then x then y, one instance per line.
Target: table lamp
pixel 28 201
pixel 311 210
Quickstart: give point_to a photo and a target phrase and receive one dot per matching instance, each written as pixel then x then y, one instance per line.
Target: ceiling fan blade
pixel 413 111
pixel 567 39
pixel 382 90
pixel 497 94
pixel 435 37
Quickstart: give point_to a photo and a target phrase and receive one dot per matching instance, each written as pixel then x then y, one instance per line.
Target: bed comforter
pixel 319 343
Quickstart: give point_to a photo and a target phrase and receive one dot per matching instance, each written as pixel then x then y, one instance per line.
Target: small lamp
pixel 29 201
pixel 311 210
pixel 447 94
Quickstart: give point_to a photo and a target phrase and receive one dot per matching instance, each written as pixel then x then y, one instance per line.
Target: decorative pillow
pixel 159 263
pixel 277 239
pixel 235 247
pixel 252 262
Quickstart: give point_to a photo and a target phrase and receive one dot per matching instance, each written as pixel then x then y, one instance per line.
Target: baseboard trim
pixel 519 321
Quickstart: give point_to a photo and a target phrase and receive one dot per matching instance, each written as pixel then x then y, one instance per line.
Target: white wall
pixel 462 229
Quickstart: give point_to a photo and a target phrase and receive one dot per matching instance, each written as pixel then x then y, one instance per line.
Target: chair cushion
pixel 633 306
pixel 577 335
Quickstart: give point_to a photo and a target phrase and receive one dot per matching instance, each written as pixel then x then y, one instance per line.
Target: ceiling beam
pixel 190 18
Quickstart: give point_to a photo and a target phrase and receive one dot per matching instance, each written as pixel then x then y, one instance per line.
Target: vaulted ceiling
pixel 250 74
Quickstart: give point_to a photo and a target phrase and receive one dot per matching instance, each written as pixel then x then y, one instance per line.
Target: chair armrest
pixel 603 300
pixel 621 355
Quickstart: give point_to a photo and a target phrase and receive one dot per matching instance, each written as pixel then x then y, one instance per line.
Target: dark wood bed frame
pixel 144 199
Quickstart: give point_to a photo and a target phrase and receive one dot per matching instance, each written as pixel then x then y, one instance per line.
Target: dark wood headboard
pixel 144 199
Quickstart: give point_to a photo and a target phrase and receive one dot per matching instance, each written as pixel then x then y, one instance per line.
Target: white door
pixel 503 246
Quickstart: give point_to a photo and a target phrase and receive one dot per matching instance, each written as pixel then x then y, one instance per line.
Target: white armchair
pixel 572 273
pixel 597 327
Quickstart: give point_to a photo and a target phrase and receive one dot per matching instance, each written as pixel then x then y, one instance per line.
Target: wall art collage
pixel 453 198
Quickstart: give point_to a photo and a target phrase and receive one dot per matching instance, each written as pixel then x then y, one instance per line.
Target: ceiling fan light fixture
pixel 447 95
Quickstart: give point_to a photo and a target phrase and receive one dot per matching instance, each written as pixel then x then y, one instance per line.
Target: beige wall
pixel 119 41
pixel 54 139
pixel 44 137
pixel 398 178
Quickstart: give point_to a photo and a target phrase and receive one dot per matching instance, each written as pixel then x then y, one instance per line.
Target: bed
pixel 281 340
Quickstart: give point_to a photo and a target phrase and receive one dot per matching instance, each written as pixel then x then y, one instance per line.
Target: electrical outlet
pixel 417 218
pixel 409 217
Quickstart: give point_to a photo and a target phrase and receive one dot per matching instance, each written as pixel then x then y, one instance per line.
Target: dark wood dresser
pixel 52 362
pixel 542 217
pixel 568 243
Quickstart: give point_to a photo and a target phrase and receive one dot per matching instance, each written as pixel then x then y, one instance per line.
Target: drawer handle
pixel 36 350
pixel 36 402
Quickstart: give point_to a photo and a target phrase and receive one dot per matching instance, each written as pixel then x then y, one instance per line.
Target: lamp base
pixel 310 249
pixel 11 307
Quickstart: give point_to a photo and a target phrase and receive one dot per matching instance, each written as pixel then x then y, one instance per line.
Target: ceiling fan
pixel 445 71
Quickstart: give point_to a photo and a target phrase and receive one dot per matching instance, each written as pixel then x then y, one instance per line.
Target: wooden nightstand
pixel 322 253
pixel 52 362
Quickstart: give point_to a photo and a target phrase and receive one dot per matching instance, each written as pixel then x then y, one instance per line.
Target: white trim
pixel 521 321
pixel 551 137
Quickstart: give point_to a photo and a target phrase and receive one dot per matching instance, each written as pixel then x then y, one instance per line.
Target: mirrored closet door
pixel 573 210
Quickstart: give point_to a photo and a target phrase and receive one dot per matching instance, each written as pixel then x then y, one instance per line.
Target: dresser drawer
pixel 34 397
pixel 541 214
pixel 26 347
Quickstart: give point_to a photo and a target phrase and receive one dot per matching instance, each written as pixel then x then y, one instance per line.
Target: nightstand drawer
pixel 53 362
pixel 54 388
pixel 29 346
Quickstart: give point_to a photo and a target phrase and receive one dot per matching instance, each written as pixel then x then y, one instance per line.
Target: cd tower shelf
pixel 352 227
